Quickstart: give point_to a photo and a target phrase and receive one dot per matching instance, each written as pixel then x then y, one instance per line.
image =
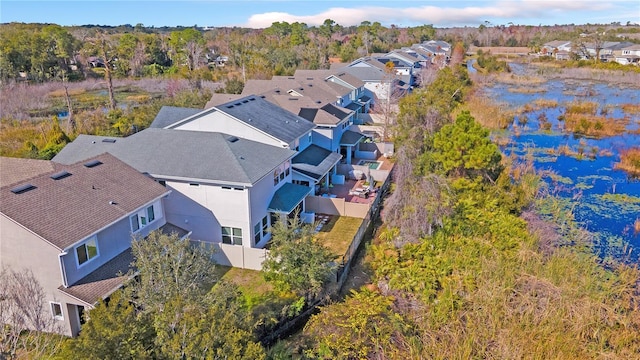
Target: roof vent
pixel 318 102
pixel 232 139
pixel 310 78
pixel 22 188
pixel 261 96
pixel 109 140
pixel 237 104
pixel 60 175
pixel 229 106
pixel 252 99
pixel 245 101
pixel 92 163
pixel 277 91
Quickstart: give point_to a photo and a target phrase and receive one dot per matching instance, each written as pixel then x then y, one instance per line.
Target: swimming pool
pixel 372 164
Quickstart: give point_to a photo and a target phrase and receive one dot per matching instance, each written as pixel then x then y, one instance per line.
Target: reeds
pixel 630 162
pixel 488 113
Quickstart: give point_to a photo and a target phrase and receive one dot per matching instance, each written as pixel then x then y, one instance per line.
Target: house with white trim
pixel 226 190
pixel 72 227
pixel 254 118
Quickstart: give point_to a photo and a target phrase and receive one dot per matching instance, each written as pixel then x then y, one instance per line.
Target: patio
pixel 355 190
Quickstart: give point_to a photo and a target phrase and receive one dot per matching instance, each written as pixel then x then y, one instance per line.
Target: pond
pixel 606 201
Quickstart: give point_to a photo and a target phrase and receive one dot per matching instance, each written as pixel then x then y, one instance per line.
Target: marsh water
pixel 605 201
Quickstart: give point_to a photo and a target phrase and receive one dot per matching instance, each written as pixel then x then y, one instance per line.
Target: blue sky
pixel 262 13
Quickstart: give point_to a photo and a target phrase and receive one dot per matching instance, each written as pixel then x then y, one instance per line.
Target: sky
pixel 262 13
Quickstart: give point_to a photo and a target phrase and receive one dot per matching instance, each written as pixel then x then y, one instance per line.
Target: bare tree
pixel 419 203
pixel 25 315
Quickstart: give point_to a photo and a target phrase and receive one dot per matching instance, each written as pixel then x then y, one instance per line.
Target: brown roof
pixel 103 281
pixel 67 210
pixel 111 275
pixel 13 170
pixel 219 99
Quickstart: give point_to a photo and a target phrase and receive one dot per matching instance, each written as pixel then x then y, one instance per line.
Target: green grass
pixel 338 233
pixel 250 282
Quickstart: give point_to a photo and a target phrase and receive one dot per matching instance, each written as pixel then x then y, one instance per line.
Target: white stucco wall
pixel 204 209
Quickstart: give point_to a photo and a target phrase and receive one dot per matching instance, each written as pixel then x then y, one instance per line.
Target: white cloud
pixel 507 10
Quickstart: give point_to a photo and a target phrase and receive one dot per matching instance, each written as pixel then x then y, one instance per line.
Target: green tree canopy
pixel 464 149
pixel 296 261
pixel 115 331
pixel 170 267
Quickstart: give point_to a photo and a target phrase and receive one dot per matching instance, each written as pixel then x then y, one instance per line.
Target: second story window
pixel 276 177
pixel 142 218
pixel 87 251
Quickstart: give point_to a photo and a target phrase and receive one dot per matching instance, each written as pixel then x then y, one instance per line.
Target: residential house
pixel 553 47
pixel 626 55
pixel 378 81
pixel 72 227
pixel 256 119
pixel 226 190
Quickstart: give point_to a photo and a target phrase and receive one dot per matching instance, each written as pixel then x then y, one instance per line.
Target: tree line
pixel 45 52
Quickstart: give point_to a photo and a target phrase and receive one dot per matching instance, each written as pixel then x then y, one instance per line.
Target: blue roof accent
pixel 315 161
pixel 288 197
pixel 351 138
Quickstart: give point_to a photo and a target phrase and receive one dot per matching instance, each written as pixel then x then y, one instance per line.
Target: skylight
pixel 22 188
pixel 60 175
pixel 109 140
pixel 93 163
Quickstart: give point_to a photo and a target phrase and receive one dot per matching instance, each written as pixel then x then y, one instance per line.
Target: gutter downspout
pixel 65 283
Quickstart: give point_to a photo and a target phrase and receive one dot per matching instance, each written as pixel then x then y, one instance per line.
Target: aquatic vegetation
pixel 527 90
pixel 583 186
pixel 629 161
pixel 488 113
pixel 594 125
pixel 631 108
pixel 624 198
pixel 545 103
pixel 594 178
pixel 559 179
pixel 581 107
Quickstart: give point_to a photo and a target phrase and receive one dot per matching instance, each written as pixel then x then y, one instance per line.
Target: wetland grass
pixel 630 162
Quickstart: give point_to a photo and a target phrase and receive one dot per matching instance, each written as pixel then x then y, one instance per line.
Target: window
pixel 56 310
pixel 87 251
pixel 135 223
pixel 276 177
pixel 142 218
pixel 150 215
pixel 256 232
pixel 231 235
pixel 265 226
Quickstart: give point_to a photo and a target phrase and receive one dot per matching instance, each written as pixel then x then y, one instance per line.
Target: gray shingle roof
pixel 171 114
pixel 183 154
pixel 67 210
pixel 259 113
pixel 315 161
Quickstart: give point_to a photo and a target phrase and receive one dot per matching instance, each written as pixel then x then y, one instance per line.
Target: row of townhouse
pixel 220 175
pixel 610 51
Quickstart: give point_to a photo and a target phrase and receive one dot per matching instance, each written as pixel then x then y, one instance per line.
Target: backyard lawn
pixel 338 233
